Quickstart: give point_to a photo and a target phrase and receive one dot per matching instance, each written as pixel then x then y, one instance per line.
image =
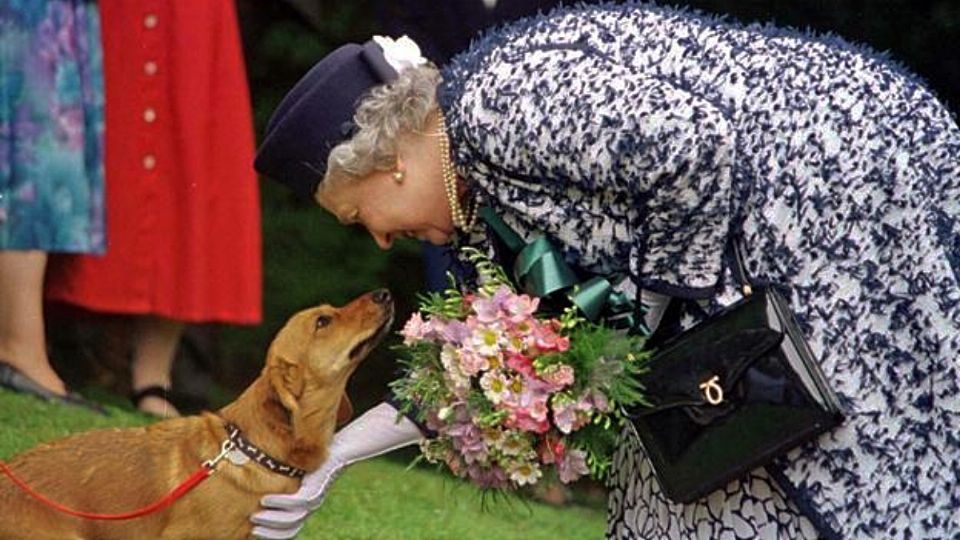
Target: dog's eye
pixel 323 321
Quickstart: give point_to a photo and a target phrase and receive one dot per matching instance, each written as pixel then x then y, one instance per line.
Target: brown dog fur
pixel 289 412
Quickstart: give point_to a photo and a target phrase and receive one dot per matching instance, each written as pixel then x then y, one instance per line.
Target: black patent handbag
pixel 731 394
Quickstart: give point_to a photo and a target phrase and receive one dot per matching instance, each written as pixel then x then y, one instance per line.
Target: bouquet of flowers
pixel 513 394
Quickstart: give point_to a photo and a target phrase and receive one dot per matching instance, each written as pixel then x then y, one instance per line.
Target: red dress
pixel 183 218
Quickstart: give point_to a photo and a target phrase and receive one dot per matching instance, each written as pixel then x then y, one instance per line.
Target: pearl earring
pixel 398 176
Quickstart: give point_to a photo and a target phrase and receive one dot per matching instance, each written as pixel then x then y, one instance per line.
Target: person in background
pixel 647 141
pixel 182 198
pixel 51 172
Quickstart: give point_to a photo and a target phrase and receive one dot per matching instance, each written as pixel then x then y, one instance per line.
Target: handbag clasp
pixel 712 391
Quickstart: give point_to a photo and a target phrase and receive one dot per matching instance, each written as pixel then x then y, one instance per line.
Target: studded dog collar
pixel 259 456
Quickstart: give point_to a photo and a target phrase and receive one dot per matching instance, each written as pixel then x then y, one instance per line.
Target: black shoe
pixel 12 379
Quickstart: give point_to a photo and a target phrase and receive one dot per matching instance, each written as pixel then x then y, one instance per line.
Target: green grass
pixel 377 499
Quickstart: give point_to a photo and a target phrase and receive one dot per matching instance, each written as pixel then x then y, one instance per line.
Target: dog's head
pixel 318 348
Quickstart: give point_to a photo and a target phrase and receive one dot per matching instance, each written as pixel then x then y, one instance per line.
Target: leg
pixel 22 338
pixel 154 345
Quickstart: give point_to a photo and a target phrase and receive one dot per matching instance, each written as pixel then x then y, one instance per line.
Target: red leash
pixel 200 475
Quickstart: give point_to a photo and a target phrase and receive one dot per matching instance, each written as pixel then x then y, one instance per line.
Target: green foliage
pixel 486 415
pixel 599 443
pixel 490 275
pixel 447 304
pixel 571 318
pixel 423 378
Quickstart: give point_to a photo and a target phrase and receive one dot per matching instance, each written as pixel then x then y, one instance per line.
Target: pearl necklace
pixel 464 221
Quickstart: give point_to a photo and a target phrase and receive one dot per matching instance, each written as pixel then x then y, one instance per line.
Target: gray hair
pixel 382 115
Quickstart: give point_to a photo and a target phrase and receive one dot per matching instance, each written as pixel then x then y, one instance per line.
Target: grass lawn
pixel 377 499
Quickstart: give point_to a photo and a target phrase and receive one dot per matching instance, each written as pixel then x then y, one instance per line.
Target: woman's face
pixel 417 207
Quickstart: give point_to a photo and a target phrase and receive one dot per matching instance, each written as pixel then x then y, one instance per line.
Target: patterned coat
pixel 641 138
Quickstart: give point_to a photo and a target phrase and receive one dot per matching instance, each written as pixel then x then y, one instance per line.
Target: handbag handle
pixel 741 267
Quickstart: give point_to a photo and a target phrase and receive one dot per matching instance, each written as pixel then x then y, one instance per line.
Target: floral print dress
pixel 51 127
pixel 641 139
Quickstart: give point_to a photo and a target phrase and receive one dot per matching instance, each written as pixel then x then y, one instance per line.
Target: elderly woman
pixel 643 140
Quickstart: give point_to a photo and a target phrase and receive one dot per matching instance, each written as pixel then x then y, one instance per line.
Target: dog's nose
pixel 381 296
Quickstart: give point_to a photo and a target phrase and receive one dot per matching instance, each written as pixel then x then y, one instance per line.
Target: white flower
pixel 525 472
pixel 445 413
pixel 400 53
pixel 494 386
pixel 514 444
pixel 486 341
pixel 494 437
pixel 450 358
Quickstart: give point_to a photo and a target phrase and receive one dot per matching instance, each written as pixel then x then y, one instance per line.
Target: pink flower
pixel 599 400
pixel 547 339
pixel 521 364
pixel 570 415
pixel 468 440
pixel 572 466
pixel 564 415
pixel 490 309
pixel 552 449
pixel 472 363
pixel 486 309
pixel 538 409
pixel 455 332
pixel 523 420
pixel 585 404
pixel 518 308
pixel 414 330
pixel 559 375
pixel 436 327
pixel 488 477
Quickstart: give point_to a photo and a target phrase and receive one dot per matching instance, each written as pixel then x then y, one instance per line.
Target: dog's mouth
pixel 361 349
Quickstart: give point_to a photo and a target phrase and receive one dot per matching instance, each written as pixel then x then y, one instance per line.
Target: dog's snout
pixel 381 296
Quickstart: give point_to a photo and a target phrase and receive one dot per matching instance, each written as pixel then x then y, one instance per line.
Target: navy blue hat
pixel 317 114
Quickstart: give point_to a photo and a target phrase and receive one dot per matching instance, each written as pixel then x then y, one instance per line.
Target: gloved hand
pixel 376 432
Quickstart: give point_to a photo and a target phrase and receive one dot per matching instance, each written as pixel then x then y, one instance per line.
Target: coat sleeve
pixel 572 118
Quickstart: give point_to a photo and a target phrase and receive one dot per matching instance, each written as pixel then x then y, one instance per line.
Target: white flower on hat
pixel 400 53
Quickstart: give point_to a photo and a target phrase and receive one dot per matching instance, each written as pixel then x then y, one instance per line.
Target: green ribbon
pixel 540 270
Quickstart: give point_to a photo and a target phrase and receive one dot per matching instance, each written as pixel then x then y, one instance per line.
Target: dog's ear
pixel 345 410
pixel 286 379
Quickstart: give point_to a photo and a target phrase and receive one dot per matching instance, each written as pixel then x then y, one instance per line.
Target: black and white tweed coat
pixel 641 138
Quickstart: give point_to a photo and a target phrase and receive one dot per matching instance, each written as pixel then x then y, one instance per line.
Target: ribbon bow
pixel 538 269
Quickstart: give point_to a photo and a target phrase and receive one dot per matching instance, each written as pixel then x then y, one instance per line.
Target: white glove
pixel 376 432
